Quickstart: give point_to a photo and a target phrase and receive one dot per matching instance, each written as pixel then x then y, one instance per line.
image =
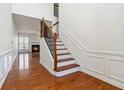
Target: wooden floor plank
pixel 28 73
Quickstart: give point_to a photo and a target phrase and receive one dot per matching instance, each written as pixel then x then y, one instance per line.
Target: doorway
pixel 23 44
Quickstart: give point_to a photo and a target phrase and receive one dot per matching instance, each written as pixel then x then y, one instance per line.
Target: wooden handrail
pixel 54 36
pixel 55 23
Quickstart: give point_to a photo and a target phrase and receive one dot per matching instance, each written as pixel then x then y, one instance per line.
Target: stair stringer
pixel 46 58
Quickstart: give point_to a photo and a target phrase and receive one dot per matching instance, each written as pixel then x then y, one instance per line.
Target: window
pixel 23 42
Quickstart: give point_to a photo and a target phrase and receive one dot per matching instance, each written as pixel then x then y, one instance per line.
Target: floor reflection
pixel 23 61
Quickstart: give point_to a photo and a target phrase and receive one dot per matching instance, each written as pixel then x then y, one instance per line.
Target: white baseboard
pixel 103 78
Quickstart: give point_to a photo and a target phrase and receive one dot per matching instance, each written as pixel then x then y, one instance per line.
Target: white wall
pixel 110 27
pixel 97 26
pixel 88 27
pixel 7 32
pixel 15 35
pixel 37 10
pixel 45 57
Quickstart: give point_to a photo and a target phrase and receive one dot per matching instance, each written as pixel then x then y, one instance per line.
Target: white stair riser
pixel 62 51
pixel 56 43
pixel 66 72
pixel 59 43
pixel 64 56
pixel 61 47
pixel 56 39
pixel 65 63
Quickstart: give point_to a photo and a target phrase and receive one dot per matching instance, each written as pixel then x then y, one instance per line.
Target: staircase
pixel 64 63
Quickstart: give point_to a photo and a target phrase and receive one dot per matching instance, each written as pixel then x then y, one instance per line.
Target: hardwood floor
pixel 28 73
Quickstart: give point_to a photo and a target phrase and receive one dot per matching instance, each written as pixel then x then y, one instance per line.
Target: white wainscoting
pixel 95 63
pixel 6 60
pixel 116 69
pixel 107 66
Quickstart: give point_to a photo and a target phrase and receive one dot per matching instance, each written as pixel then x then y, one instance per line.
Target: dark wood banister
pixel 55 53
pixel 56 23
pixel 54 36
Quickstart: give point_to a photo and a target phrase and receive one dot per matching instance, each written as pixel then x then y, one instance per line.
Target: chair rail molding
pixel 105 65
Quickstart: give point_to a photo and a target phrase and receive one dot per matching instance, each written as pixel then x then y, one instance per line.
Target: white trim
pixel 95 56
pixel 116 78
pixel 115 59
pixel 5 52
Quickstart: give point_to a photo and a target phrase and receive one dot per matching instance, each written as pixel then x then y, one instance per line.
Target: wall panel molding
pixel 114 71
pixel 7 59
pixel 96 64
pixel 105 65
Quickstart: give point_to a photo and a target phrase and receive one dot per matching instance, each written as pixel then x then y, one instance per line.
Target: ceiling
pixel 27 24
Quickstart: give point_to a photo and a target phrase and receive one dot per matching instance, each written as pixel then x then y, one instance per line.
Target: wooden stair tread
pixel 57 44
pixel 65 59
pixel 53 41
pixel 60 49
pixel 67 67
pixel 53 38
pixel 60 54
